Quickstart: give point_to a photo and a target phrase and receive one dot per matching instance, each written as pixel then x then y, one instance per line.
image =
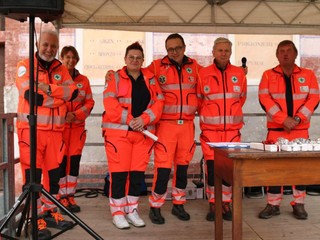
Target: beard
pixel 46 58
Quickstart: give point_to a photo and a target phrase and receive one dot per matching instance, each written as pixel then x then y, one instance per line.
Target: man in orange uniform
pixel 289 95
pixel 55 88
pixel 177 75
pixel 133 102
pixel 74 135
pixel 223 91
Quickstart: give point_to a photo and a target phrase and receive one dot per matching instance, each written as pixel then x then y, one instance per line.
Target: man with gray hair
pixel 223 89
pixel 54 88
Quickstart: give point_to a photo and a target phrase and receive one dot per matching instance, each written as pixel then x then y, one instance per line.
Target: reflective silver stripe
pixel 117 78
pixel 314 91
pixel 56 120
pixel 49 102
pixel 221 119
pixel 216 96
pixel 177 86
pixel 300 96
pixel 42 119
pixel 124 116
pixel 306 112
pixel 176 109
pixel 124 100
pixel 150 114
pixel 278 95
pixel 264 91
pixel 22 117
pixel 109 94
pixel 272 111
pixel 85 110
pixel 115 126
pixel 160 96
pixel 66 93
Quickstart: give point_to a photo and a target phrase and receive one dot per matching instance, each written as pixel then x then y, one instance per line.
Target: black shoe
pixel 64 201
pixel 74 207
pixel 43 232
pixel 55 220
pixel 226 211
pixel 299 212
pixel 269 211
pixel 178 210
pixel 211 216
pixel 155 216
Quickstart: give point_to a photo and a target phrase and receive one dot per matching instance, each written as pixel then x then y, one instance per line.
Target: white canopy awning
pixel 195 16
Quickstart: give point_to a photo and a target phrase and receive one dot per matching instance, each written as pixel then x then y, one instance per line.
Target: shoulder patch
pixel 22 71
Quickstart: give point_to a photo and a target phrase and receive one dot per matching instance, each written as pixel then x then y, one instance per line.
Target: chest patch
pixel 57 77
pixel 206 89
pixel 236 89
pixel 234 79
pixel 79 85
pixel 304 88
pixel 162 79
pixel 301 80
pixel 189 70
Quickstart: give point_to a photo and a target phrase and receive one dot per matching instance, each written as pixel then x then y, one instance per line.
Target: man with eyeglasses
pixel 177 75
pixel 223 90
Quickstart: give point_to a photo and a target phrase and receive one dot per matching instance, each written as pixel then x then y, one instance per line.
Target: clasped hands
pixel 289 124
pixel 137 124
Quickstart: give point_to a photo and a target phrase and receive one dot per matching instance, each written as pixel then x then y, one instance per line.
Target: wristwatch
pixel 297 119
pixel 49 91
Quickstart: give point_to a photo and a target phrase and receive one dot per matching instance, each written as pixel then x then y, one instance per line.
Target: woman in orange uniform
pixel 133 102
pixel 74 134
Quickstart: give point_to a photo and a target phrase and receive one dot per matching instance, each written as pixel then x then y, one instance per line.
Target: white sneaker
pixel 120 222
pixel 134 219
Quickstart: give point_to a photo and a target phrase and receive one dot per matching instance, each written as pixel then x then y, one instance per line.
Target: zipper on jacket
pixel 180 85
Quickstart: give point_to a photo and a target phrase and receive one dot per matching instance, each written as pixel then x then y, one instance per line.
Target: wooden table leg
pixel 237 212
pixel 218 206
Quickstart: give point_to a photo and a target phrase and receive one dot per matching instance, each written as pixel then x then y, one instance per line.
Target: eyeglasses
pixel 176 49
pixel 133 58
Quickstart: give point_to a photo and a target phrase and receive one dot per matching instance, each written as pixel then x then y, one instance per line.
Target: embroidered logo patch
pixel 234 79
pixel 162 79
pixel 22 71
pixel 206 89
pixel 57 77
pixel 301 80
pixel 79 85
pixel 189 70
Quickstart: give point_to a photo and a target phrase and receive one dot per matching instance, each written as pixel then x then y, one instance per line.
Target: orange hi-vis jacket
pixel 117 103
pixel 52 111
pixel 83 104
pixel 222 95
pixel 179 89
pixel 272 96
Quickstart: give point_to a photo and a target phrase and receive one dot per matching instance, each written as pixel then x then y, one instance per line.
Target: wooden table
pixel 252 167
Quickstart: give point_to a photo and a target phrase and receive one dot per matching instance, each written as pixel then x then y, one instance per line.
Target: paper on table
pixel 229 144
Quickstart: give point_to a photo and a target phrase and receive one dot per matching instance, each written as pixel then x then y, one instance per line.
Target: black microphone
pixel 244 62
